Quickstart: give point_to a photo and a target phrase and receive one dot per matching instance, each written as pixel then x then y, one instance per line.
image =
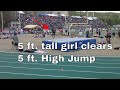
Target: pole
pixel 86 29
pixel 2 22
pixel 93 13
pixel 19 22
pixel 15 15
pixel 65 18
pixel 66 22
pixel 69 30
pixel 87 17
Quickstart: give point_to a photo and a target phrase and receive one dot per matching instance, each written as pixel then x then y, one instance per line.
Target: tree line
pixel 109 18
pixel 7 17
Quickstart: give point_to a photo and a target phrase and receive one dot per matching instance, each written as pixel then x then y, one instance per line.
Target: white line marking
pixel 58 65
pixel 62 70
pixel 47 75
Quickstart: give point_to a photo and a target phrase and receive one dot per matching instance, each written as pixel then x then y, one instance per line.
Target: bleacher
pixel 58 22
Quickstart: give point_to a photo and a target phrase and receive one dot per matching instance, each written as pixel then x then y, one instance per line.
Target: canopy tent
pixel 90 18
pixel 94 18
pixel 51 15
pixel 20 12
pixel 75 16
pixel 62 15
pixel 31 26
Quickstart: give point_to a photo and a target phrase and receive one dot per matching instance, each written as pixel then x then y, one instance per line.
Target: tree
pixel 7 17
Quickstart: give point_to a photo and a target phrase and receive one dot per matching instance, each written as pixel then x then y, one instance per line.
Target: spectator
pixel 59 21
pixel 113 34
pixel 108 36
pixel 87 34
pixel 119 33
pixel 81 33
pixel 53 33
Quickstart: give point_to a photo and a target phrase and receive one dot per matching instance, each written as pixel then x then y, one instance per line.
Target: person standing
pixel 44 33
pixel 87 34
pixel 119 33
pixel 80 33
pixel 108 36
pixel 21 31
pixel 15 40
pixel 53 33
pixel 113 33
pixel 99 31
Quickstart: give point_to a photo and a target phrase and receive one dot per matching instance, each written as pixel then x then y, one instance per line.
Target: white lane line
pixel 46 75
pixel 56 65
pixel 62 70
